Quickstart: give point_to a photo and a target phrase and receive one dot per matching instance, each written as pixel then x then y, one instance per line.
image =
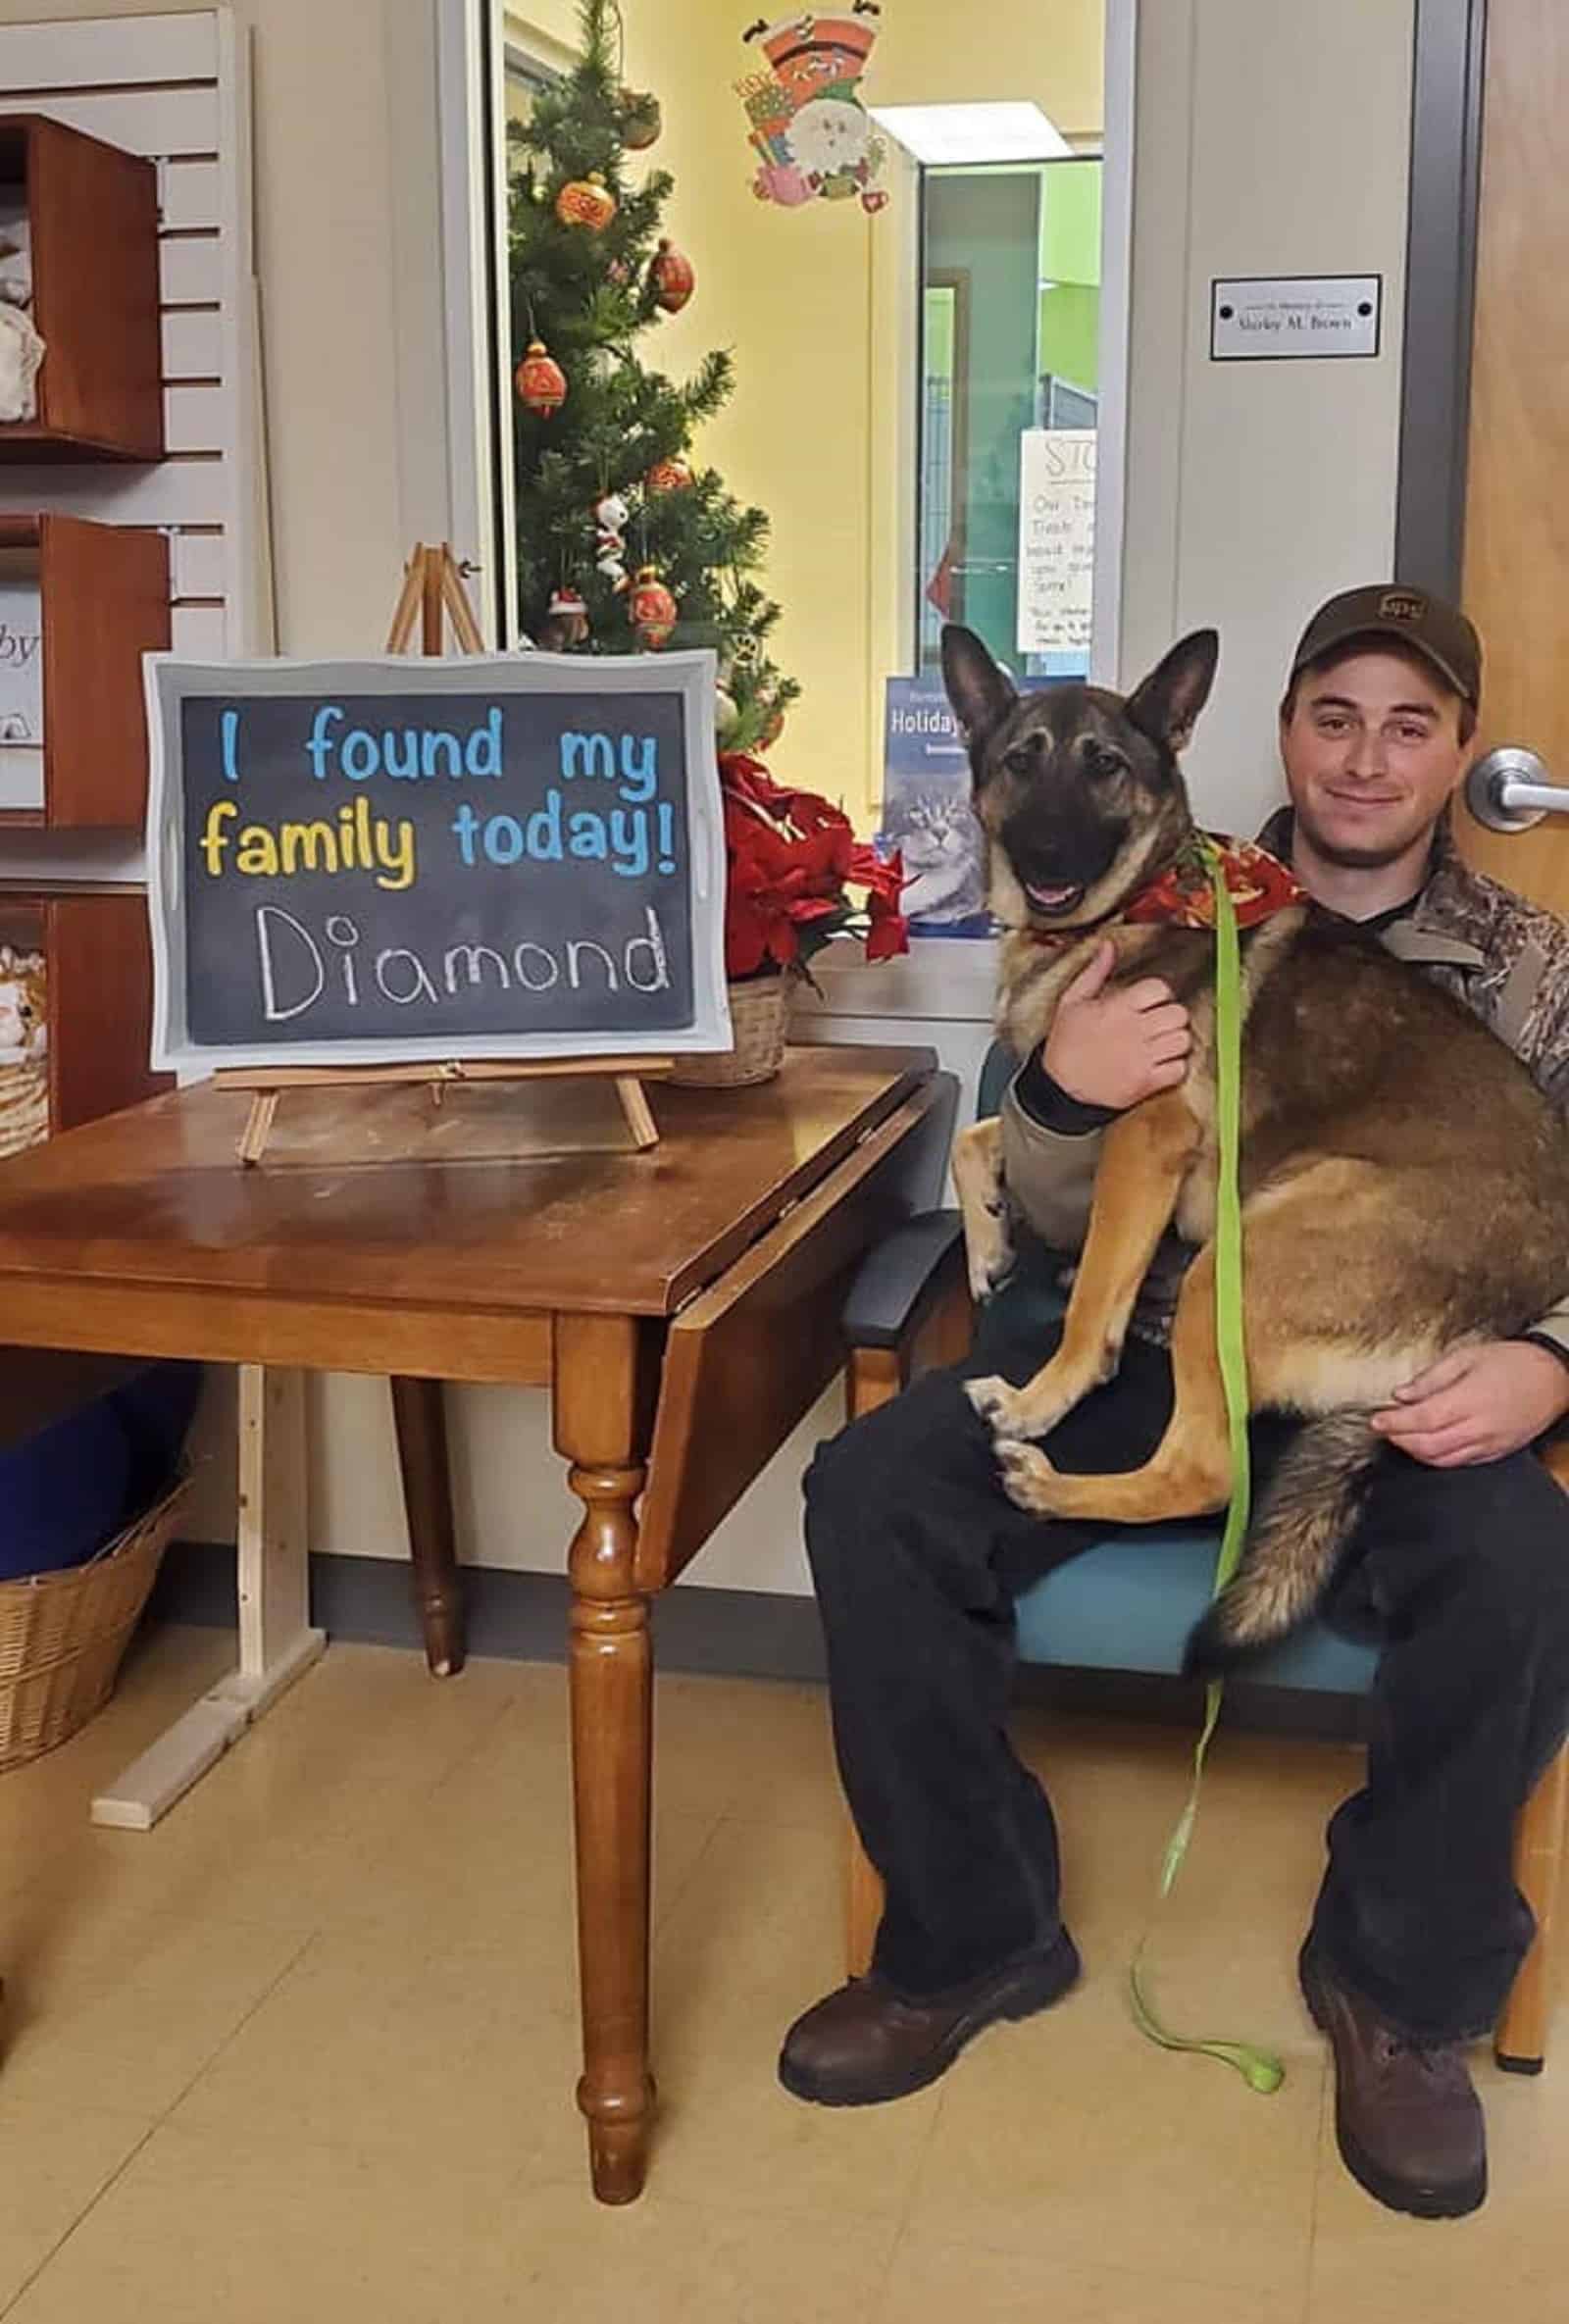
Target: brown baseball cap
pixel 1412 618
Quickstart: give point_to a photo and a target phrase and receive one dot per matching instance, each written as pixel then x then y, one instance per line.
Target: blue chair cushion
pixel 1130 1602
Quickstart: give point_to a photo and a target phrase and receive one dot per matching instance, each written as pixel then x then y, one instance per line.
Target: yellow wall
pixel 806 300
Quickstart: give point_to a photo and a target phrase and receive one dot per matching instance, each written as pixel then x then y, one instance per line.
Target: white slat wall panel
pixel 154 121
pixel 188 490
pixel 112 52
pixel 175 87
pixel 193 343
pixel 192 268
pixel 198 565
pixel 189 191
pixel 198 630
pixel 193 418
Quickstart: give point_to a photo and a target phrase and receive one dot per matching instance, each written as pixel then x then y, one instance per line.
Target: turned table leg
pixel 420 1417
pixel 601 1428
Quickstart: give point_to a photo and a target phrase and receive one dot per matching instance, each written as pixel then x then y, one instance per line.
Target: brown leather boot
pixel 1407 2119
pixel 862 2044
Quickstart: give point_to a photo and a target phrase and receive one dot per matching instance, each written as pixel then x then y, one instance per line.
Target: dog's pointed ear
pixel 1167 705
pixel 980 694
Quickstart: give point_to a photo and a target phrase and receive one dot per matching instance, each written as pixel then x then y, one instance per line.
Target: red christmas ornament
pixel 652 609
pixel 669 476
pixel 672 276
pixel 540 382
pixel 586 201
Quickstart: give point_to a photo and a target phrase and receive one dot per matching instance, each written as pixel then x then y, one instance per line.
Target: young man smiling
pixel 1460 1563
pixel 1374 738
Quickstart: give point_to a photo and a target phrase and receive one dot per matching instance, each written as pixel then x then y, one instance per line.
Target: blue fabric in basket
pixel 157 1407
pixel 63 1493
pixel 69 1489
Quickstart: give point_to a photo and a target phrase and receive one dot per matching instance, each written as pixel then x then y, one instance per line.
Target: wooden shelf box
pixel 96 999
pixel 80 605
pixel 89 214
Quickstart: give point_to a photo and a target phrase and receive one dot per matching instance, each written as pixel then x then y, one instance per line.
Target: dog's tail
pixel 1294 1542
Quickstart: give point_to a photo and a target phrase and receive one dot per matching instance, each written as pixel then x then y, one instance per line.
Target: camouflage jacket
pixel 1506 960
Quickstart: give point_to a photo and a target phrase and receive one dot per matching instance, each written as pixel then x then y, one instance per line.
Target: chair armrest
pixel 898 1280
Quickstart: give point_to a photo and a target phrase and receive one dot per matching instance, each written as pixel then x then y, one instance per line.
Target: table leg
pixel 601 1421
pixel 419 1414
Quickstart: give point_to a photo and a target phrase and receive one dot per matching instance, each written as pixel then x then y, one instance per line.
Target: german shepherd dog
pixel 1405 1185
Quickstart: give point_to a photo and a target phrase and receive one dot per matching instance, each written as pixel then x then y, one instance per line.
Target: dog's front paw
pixel 1028 1478
pixel 989 1263
pixel 984 1281
pixel 999 1404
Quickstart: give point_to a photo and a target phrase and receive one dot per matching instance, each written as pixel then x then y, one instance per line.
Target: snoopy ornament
pixel 610 539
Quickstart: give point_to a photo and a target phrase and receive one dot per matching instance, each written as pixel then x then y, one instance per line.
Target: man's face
pixel 1372 751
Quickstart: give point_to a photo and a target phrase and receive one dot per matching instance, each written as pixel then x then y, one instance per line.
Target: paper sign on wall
pixel 1056 540
pixel 927 813
pixel 20 682
pixel 20 661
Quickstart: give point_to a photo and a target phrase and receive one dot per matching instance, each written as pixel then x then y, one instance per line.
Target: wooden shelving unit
pixel 102 600
pixel 92 220
pixel 99 977
pixel 80 603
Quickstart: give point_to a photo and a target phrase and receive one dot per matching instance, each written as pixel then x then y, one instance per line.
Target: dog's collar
pixel 1183 895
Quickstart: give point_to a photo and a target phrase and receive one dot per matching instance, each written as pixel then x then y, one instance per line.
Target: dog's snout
pixel 1060 845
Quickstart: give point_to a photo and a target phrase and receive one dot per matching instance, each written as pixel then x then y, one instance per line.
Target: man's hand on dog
pixel 1114 1048
pixel 1478 1404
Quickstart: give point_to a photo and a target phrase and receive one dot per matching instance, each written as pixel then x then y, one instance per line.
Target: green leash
pixel 1257 2067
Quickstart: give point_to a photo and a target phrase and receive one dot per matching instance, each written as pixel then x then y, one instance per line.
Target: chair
pixel 1129 1603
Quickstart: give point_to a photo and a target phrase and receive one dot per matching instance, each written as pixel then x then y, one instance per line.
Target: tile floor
pixel 306 2051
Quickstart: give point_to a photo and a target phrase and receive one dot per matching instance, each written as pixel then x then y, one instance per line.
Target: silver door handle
pixel 1509 790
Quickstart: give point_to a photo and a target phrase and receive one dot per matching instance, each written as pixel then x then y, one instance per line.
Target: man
pixel 1460 1562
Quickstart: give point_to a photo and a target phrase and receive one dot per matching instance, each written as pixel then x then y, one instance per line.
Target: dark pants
pixel 917 1557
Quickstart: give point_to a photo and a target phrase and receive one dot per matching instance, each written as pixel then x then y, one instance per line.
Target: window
pixel 1009 403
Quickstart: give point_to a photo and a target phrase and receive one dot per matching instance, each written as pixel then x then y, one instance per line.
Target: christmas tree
pixel 621 541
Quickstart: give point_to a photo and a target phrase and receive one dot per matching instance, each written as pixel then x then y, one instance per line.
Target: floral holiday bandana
pixel 1183 896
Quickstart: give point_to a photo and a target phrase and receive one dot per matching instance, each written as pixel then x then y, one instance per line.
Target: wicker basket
pixel 24 1105
pixel 758 1010
pixel 61 1636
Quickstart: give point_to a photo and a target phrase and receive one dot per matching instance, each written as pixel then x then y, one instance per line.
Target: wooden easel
pixel 432 586
pixel 267 1086
pixel 433 595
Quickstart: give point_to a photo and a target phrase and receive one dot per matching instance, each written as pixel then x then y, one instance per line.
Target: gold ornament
pixel 587 202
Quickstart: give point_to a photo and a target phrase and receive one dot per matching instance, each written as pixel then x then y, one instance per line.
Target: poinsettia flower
pixel 791 858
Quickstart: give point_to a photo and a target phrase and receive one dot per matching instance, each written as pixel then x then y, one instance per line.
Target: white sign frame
pixel 1074 502
pixel 168 679
pixel 1296 318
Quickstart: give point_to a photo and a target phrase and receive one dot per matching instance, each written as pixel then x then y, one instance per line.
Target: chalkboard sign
pixel 498 856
